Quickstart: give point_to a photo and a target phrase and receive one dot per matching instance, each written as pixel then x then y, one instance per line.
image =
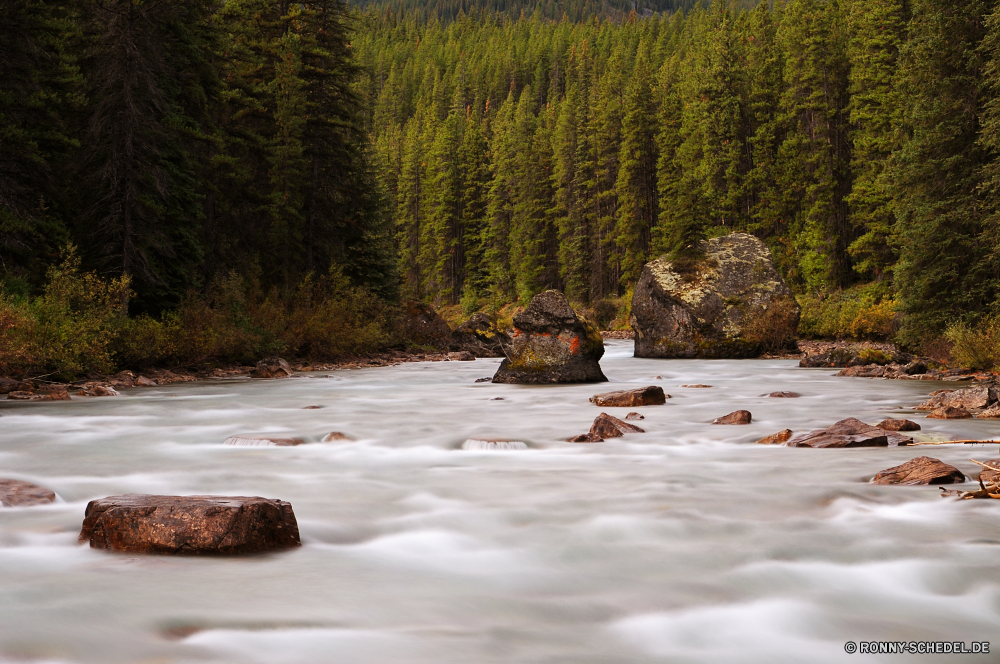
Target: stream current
pixel 688 543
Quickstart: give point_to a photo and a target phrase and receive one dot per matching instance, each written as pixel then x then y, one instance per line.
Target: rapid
pixel 688 543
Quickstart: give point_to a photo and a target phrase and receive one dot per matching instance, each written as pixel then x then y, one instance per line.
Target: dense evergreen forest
pixel 858 138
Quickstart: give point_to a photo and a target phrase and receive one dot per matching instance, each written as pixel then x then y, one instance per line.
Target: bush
pixel 976 346
pixel 774 329
pixel 862 313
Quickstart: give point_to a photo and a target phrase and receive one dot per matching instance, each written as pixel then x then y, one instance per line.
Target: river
pixel 688 543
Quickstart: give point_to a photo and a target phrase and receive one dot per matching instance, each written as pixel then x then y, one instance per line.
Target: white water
pixel 685 544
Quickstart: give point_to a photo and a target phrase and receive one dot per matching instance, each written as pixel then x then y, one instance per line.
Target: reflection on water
pixel 686 543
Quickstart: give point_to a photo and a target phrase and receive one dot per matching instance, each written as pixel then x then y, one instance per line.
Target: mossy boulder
pixel 551 343
pixel 731 303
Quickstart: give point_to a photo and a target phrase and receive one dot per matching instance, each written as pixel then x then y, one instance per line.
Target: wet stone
pixel 644 396
pixel 921 470
pixel 735 417
pixel 850 432
pixel 263 441
pixel 15 493
pixel 635 416
pixel 784 395
pixel 782 436
pixel 897 425
pixel 608 426
pixel 949 413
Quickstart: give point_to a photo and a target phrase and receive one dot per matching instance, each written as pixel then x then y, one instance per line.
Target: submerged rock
pixel 494 444
pixel 851 432
pixel 15 493
pixel 585 438
pixel 776 438
pixel 735 417
pixel 264 441
pixel 194 525
pixel 332 436
pixel 643 396
pixel 922 470
pixel 272 367
pixel 730 304
pixel 784 395
pixel 552 344
pixel 898 425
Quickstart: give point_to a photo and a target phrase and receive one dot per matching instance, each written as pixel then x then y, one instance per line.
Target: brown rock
pixel 586 438
pixel 897 425
pixel 8 385
pixel 606 426
pixel 644 396
pixel 15 493
pixel 922 470
pixel 25 396
pixel 262 441
pixel 193 525
pixel 696 386
pixel 987 475
pixel 735 417
pixel 635 416
pixel 142 381
pixel 851 432
pixel 272 367
pixel 55 393
pixel 334 435
pixel 991 413
pixel 311 407
pixel 425 326
pixel 462 356
pixel 968 398
pixel 776 438
pixel 784 395
pixel 948 413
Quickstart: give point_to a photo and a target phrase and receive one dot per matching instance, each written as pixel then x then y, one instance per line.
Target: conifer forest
pixel 244 158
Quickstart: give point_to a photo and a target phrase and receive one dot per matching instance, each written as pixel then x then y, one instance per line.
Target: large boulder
pixel 550 343
pixel 732 303
pixel 481 336
pixel 194 525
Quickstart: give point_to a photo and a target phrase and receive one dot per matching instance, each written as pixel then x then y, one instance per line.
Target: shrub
pixel 863 313
pixel 976 346
pixel 773 329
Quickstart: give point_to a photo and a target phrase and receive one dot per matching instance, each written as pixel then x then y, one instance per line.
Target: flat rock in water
pixel 784 395
pixel 968 398
pixel 891 424
pixel 551 343
pixel 782 436
pixel 15 493
pixel 264 441
pixel 987 475
pixel 731 303
pixel 644 396
pixel 193 525
pixel 635 416
pixel 585 438
pixel 851 432
pixel 494 444
pixel 25 396
pixel 608 426
pixel 922 470
pixel 462 356
pixel 97 390
pixel 272 367
pixel 735 417
pixel 948 413
pixel 697 386
pixel 332 436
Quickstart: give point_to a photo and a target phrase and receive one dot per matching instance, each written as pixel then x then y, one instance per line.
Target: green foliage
pixel 864 313
pixel 976 346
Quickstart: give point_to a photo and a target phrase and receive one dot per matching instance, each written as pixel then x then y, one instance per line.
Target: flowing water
pixel 688 543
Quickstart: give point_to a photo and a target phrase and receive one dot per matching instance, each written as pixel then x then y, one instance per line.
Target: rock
pixel 635 416
pixel 311 407
pixel 987 475
pixel 272 367
pixel 263 441
pixel 784 395
pixel 192 525
pixel 481 336
pixel 922 470
pixel 735 417
pixel 696 386
pixel 462 356
pixel 423 325
pixel 585 438
pixel 948 413
pixel 494 444
pixel 851 432
pixel 97 390
pixel 25 396
pixel 607 426
pixel 916 367
pixel 897 425
pixel 551 343
pixel 991 413
pixel 55 393
pixel 15 493
pixel 487 379
pixel 142 381
pixel 856 356
pixel 334 435
pixel 8 385
pixel 643 396
pixel 776 438
pixel 968 398
pixel 732 303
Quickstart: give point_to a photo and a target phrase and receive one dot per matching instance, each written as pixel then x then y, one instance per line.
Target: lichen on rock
pixel 732 304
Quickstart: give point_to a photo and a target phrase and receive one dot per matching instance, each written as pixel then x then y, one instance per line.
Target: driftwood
pixel 990 489
pixel 958 442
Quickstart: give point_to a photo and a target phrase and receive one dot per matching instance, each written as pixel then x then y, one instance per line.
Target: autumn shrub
pixel 975 345
pixel 772 329
pixel 862 313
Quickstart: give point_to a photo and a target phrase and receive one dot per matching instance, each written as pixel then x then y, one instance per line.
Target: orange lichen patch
pixel 574 345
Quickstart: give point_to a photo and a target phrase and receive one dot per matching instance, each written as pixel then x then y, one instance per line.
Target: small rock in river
pixel 735 417
pixel 194 525
pixel 142 381
pixel 987 475
pixel 334 435
pixel 585 438
pixel 776 438
pixel 922 470
pixel 784 395
pixel 991 413
pixel 484 380
pixel 493 444
pixel 15 493
pixel 634 416
pixel 25 396
pixel 96 390
pixel 272 367
pixel 262 441
pixel 497 399
pixel 607 426
pixel 462 356
pixel 644 396
pixel 851 432
pixel 898 425
pixel 949 413
pixel 311 407
pixel 696 386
